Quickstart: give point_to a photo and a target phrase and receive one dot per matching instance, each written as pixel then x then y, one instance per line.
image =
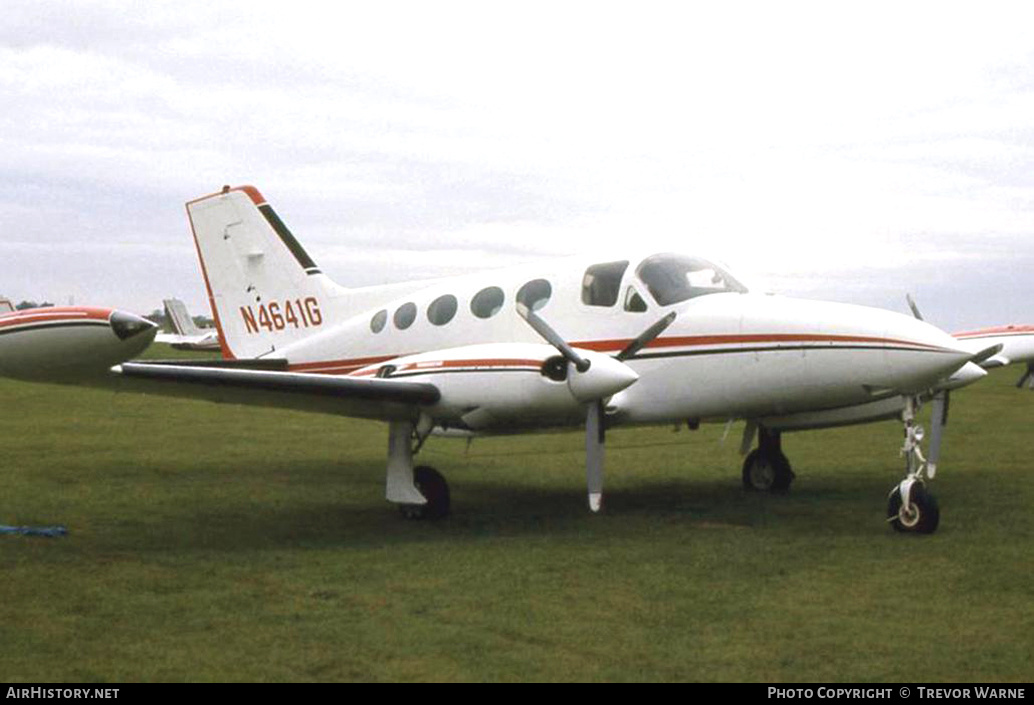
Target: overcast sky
pixel 853 152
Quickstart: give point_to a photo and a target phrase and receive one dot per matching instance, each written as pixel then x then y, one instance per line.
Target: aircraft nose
pixel 851 346
pixel 129 325
pixel 917 355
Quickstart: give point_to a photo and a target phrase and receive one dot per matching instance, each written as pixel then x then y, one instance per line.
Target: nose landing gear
pixel 911 508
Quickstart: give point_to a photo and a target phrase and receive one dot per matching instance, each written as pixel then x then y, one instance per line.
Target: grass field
pixel 211 543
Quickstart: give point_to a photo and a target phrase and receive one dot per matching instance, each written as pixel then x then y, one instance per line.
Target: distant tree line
pixel 32 304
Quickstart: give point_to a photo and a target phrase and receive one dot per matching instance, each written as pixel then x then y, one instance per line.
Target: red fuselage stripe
pixel 350 365
pixel 996 332
pixel 63 314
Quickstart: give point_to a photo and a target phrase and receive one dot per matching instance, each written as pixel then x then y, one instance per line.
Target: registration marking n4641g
pixel 297 313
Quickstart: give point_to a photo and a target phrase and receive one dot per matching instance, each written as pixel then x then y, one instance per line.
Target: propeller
pixel 912 305
pixel 644 338
pixel 553 338
pixel 938 420
pixel 592 382
pixel 939 413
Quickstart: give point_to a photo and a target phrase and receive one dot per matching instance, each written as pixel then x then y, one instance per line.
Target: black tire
pixel 767 472
pixel 435 489
pixel 924 516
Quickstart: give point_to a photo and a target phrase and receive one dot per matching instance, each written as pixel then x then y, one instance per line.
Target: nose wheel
pixel 911 508
pixel 919 515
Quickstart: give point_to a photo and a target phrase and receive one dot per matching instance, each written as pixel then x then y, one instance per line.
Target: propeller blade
pixel 912 305
pixel 938 420
pixel 986 354
pixel 552 337
pixel 594 436
pixel 646 337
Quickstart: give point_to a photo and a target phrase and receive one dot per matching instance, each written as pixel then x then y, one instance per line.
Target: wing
pixel 269 384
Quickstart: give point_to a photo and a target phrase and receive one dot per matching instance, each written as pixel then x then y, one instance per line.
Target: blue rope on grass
pixel 34 530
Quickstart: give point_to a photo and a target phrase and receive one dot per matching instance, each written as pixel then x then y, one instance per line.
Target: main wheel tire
pixel 767 472
pixel 923 514
pixel 435 489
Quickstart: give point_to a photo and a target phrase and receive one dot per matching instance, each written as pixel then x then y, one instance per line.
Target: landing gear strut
pixel 766 469
pixel 421 492
pixel 910 507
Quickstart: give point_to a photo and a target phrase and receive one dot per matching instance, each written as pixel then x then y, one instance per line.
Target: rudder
pixel 266 292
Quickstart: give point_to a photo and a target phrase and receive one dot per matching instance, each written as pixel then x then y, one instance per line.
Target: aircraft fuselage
pixel 729 353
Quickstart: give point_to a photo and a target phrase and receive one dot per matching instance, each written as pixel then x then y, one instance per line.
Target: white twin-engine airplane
pixel 1017 347
pixel 599 342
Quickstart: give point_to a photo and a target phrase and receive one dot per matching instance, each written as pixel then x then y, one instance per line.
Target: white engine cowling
pixel 505 386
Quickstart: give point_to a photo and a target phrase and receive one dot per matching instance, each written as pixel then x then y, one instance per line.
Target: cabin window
pixel 633 301
pixel 487 302
pixel 405 315
pixel 442 310
pixel 379 320
pixel 535 294
pixel 674 278
pixel 601 283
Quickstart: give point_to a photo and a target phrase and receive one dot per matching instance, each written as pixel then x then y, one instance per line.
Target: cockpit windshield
pixel 673 278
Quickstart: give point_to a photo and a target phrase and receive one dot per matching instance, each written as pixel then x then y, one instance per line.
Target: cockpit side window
pixel 674 278
pixel 601 283
pixel 633 301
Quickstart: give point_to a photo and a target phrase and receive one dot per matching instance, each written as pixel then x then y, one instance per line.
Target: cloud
pixel 802 137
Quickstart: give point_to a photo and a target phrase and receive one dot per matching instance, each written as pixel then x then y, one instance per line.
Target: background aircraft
pixel 186 335
pixel 69 343
pixel 1017 347
pixel 601 341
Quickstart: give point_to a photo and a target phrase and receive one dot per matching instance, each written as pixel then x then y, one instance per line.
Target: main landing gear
pixel 911 508
pixel 421 492
pixel 435 489
pixel 766 469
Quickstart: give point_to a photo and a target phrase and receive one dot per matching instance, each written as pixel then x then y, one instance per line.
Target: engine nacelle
pixel 69 343
pixel 506 386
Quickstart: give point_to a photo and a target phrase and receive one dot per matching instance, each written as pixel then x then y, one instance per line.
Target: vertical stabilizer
pixel 179 318
pixel 265 290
